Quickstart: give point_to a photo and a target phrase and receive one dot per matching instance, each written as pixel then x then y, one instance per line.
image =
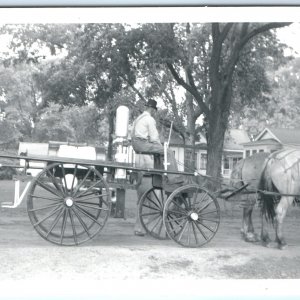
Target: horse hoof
pixel 251 238
pixel 269 244
pixel 282 246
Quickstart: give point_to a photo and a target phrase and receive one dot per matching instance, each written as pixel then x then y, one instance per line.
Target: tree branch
pixel 190 89
pixel 134 89
pixel 243 41
pixel 262 29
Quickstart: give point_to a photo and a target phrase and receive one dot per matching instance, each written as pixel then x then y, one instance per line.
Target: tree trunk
pixel 218 123
pixel 189 151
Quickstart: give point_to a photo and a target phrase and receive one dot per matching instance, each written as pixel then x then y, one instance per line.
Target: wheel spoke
pixel 182 209
pixel 64 178
pixel 150 200
pixel 88 198
pixel 150 214
pixel 88 189
pixel 158 200
pixel 43 207
pixel 91 205
pixel 82 194
pixel 188 233
pixel 205 206
pixel 49 189
pixel 93 193
pixel 182 230
pixel 176 219
pixel 161 226
pixel 55 221
pixel 82 182
pixel 46 198
pixel 175 212
pixel 63 228
pixel 48 216
pixel 74 176
pixel 87 214
pixel 157 222
pixel 207 227
pixel 201 199
pixel 195 233
pixel 54 181
pixel 180 225
pixel 82 223
pixel 151 221
pixel 73 227
pixel 201 231
pixel 151 207
pixel 195 196
pixel 208 212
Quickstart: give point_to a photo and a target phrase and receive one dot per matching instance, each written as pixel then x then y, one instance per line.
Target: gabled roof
pixel 268 142
pixel 234 138
pixel 282 135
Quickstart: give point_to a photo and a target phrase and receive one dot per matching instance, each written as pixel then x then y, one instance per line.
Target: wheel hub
pixel 69 202
pixel 194 216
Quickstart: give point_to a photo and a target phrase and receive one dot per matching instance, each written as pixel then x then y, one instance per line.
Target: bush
pixel 7 173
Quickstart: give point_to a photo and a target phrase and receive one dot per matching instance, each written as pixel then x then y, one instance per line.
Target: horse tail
pixel 267 201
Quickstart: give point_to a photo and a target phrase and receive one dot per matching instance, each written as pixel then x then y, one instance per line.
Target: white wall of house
pixel 179 156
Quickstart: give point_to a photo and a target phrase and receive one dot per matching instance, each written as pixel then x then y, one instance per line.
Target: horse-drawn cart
pixel 69 201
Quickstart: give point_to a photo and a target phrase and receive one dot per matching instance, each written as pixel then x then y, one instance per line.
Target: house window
pixel 196 160
pixel 254 151
pixel 235 160
pixel 261 150
pixel 203 161
pixel 247 153
pixel 226 163
pixel 229 163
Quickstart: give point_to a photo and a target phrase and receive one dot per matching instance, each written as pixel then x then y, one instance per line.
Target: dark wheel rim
pixel 68 205
pixel 151 208
pixel 191 216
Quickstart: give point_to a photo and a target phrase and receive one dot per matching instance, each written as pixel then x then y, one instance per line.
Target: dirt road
pixel 116 254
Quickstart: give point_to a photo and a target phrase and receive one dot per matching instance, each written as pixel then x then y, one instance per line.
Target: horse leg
pixel 264 235
pixel 247 226
pixel 281 210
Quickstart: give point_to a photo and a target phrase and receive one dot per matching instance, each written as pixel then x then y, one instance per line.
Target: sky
pixel 290 35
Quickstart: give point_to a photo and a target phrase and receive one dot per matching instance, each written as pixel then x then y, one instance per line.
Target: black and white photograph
pixel 150 148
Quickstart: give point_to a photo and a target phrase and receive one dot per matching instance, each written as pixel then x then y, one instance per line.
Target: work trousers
pixel 141 145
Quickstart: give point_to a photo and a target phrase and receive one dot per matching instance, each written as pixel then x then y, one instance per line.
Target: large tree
pixel 203 59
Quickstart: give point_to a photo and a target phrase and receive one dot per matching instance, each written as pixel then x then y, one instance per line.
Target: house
pixel 273 139
pixel 233 151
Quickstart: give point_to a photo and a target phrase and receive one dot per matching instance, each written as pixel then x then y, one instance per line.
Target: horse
pixel 281 177
pixel 248 172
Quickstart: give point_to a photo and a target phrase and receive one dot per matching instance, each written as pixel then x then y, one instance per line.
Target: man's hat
pixel 151 103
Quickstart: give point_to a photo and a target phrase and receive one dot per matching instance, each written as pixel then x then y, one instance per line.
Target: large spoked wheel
pixel 68 205
pixel 191 216
pixel 151 208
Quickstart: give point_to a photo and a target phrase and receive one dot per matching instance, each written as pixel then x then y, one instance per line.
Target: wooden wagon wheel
pixel 191 216
pixel 68 206
pixel 151 206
